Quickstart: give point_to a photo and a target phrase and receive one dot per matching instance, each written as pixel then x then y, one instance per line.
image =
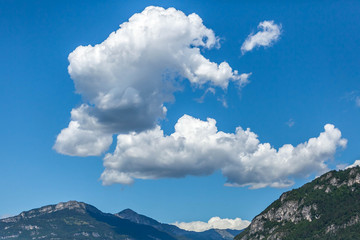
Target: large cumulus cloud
pixel 198 148
pixel 125 82
pixel 126 79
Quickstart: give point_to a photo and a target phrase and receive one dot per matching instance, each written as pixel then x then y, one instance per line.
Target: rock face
pixel 326 208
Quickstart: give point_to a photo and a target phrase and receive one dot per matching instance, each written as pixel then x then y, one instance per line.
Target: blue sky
pixel 309 77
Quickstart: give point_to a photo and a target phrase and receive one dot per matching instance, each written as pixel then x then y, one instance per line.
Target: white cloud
pixel 355 164
pixel 84 136
pixel 126 79
pixel 243 79
pixel 197 148
pixel 125 82
pixel 268 34
pixel 290 123
pixel 357 101
pixel 353 96
pixel 209 90
pixel 213 223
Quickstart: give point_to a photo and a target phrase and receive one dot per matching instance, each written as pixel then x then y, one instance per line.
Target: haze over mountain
pixel 326 208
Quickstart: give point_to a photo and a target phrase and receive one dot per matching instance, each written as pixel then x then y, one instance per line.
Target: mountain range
pixel 78 220
pixel 326 208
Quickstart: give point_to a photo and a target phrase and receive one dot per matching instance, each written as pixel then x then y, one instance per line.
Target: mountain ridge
pixel 79 220
pixel 211 234
pixel 74 220
pixel 326 208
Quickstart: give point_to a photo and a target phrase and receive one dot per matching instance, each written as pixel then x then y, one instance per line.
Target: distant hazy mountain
pixel 212 234
pixel 326 208
pixel 77 220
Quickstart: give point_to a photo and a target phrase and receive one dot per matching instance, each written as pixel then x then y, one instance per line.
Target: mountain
pixel 75 220
pixel 326 208
pixel 78 220
pixel 212 234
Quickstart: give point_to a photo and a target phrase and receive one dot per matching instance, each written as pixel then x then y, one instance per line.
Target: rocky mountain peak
pixel 127 211
pixel 322 209
pixel 136 218
pixel 70 205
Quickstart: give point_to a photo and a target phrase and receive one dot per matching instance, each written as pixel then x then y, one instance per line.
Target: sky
pixel 183 111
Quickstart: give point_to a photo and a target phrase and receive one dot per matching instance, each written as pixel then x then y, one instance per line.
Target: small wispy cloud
pixel 223 100
pixel 353 96
pixel 243 79
pixel 290 123
pixel 357 101
pixel 209 90
pixel 269 33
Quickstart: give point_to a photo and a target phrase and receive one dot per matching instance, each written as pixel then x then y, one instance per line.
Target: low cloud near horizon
pixel 355 164
pixel 214 223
